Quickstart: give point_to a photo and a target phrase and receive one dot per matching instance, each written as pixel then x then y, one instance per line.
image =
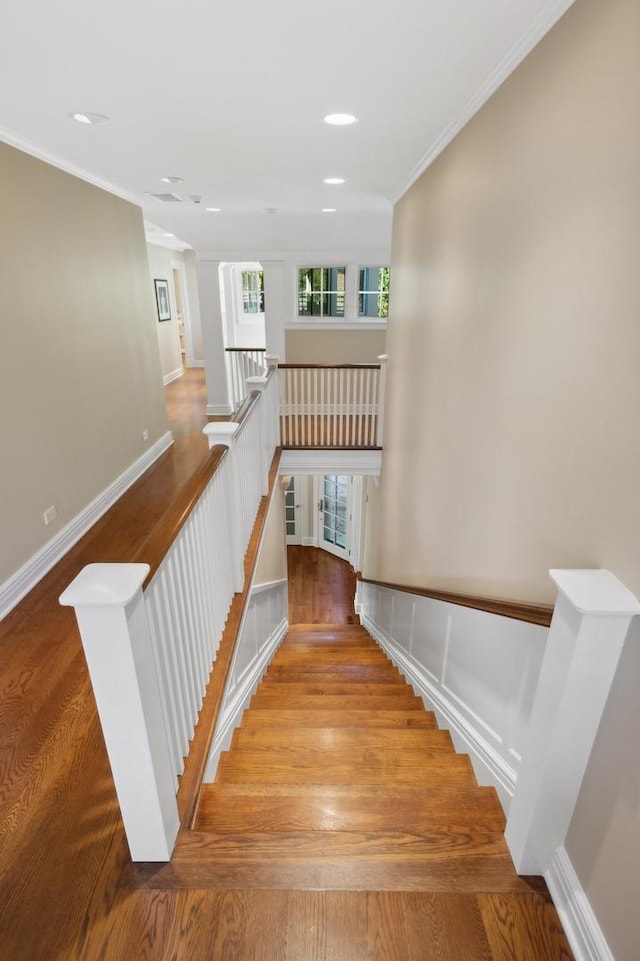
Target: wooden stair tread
pixel 223 809
pixel 414 720
pixel 333 674
pixel 405 701
pixel 335 739
pixel 343 688
pixel 413 767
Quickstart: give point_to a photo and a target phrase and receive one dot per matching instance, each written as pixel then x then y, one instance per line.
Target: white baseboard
pixel 309 541
pixel 178 372
pixel 232 711
pixel 26 578
pixel 214 410
pixel 489 767
pixel 578 920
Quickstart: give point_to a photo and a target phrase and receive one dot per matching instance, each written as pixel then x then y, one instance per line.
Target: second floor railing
pixel 324 405
pixel 241 363
pixel 151 629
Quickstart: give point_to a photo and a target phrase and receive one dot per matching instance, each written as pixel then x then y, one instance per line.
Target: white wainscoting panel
pixel 477 671
pixel 264 626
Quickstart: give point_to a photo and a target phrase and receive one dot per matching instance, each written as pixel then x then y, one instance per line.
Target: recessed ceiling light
pixel 172 180
pixel 328 210
pixel 89 118
pixel 168 235
pixel 340 119
pixel 333 180
pixel 213 210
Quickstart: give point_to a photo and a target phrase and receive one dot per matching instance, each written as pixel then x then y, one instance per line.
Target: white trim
pixel 309 541
pixel 174 375
pixel 336 324
pixel 14 140
pixel 541 25
pixel 26 578
pixel 213 410
pixel 498 772
pixel 241 697
pixel 326 461
pixel 580 924
pixel 267 586
pixel 195 363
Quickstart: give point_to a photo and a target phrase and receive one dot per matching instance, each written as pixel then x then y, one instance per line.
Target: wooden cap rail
pixel 152 550
pixel 245 350
pixel 531 613
pixel 329 366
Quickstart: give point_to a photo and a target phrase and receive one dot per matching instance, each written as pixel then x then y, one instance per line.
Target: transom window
pixel 373 291
pixel 253 291
pixel 321 291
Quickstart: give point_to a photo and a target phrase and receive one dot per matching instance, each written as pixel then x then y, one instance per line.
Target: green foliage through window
pixel 321 291
pixel 253 291
pixel 373 291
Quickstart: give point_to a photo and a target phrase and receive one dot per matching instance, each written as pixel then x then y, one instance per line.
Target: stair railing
pixel 332 405
pixel 521 687
pixel 151 629
pixel 242 363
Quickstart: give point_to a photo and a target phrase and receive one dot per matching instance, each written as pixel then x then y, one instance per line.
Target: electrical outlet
pixel 145 435
pixel 50 515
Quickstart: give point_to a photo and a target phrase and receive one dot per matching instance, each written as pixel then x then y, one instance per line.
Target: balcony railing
pixel 325 405
pixel 242 363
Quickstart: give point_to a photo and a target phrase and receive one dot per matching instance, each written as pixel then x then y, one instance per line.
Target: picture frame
pixel 162 299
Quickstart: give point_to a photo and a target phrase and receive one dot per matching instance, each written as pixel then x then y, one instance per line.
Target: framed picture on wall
pixel 162 299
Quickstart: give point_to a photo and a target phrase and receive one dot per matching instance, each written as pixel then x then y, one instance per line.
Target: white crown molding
pixel 13 140
pixel 540 25
pixel 580 924
pixel 26 578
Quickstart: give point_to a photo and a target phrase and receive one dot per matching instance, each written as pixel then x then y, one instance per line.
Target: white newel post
pixel 110 610
pixel 223 432
pixel 589 626
pixel 381 392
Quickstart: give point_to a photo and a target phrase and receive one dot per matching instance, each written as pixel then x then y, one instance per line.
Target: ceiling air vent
pixel 168 198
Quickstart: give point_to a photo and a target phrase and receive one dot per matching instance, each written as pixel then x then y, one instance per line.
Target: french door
pixel 292 512
pixel 334 506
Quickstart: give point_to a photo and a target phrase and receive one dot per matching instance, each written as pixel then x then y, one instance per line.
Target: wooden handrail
pixel 195 764
pixel 244 350
pixel 519 611
pixel 329 366
pixel 155 546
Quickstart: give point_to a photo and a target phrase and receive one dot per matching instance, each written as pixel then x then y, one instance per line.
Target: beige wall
pixel 79 369
pixel 334 346
pixel 272 563
pixel 160 259
pixel 513 416
pixel 513 393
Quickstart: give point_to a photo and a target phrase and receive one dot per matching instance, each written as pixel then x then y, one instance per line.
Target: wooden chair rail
pixel 153 549
pixel 531 613
pixel 329 366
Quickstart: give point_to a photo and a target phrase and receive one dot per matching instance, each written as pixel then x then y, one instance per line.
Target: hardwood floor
pixel 321 587
pixel 68 891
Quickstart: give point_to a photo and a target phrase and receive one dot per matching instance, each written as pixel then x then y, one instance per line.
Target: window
pixel 321 291
pixel 253 291
pixel 373 292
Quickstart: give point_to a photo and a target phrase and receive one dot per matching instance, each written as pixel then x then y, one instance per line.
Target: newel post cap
pixel 105 585
pixel 220 432
pixel 595 591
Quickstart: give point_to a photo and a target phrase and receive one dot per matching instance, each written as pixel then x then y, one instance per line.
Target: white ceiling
pixel 231 98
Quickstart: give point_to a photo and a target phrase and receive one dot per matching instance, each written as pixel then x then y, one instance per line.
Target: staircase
pixel 339 779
